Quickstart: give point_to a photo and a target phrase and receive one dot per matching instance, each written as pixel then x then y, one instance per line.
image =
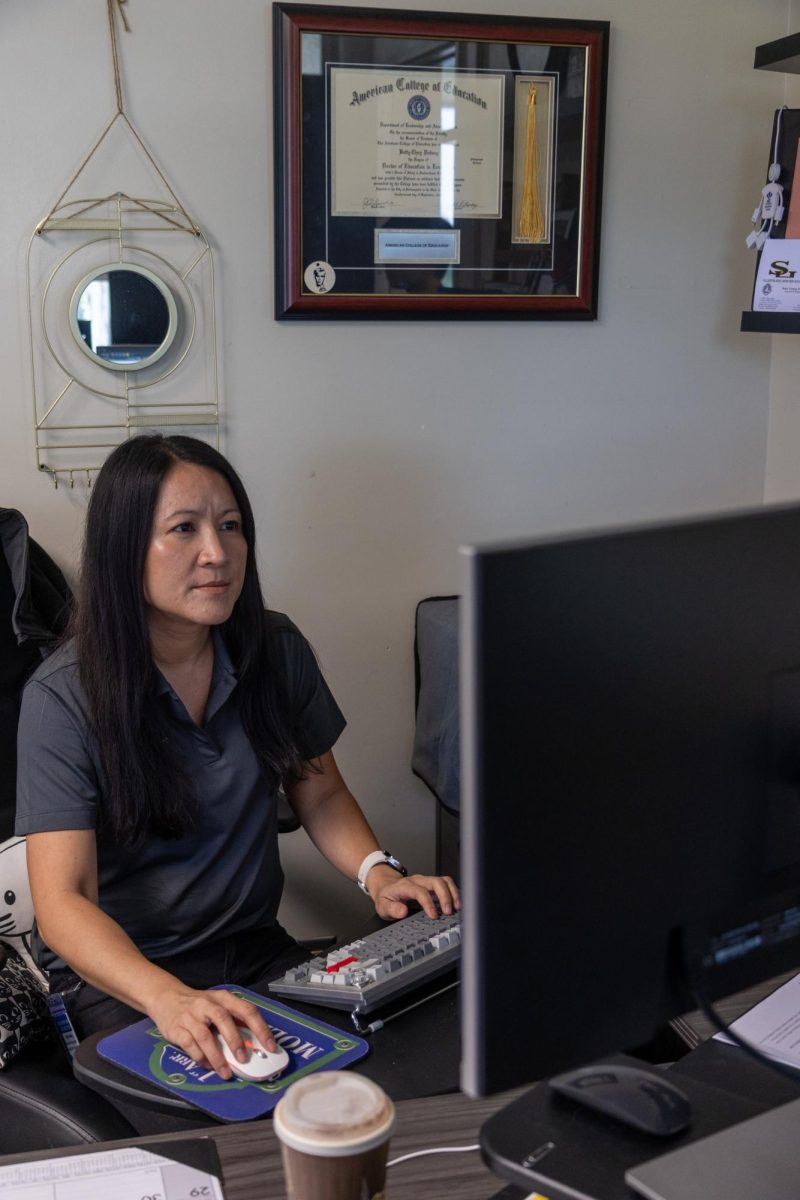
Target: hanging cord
pixel 531 220
pixel 114 53
pixel 121 113
pixel 776 144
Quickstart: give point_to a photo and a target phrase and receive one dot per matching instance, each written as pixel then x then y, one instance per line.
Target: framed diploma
pixel 437 165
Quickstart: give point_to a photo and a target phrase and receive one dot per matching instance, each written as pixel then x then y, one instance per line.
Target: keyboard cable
pixel 374 1026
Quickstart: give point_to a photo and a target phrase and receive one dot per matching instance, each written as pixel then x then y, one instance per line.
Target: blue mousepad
pixel 312 1045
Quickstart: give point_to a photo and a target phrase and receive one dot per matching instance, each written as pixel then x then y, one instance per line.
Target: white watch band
pixel 372 860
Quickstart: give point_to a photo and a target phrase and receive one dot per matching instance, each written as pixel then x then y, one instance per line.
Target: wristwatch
pixel 372 860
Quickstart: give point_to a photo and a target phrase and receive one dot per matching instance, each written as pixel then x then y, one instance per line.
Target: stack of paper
pixel 773 1026
pixel 127 1174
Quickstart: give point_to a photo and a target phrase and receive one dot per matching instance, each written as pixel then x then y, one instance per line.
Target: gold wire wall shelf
pixel 121 314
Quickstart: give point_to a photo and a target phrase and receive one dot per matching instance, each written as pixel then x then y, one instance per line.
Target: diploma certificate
pixel 435 165
pixel 417 143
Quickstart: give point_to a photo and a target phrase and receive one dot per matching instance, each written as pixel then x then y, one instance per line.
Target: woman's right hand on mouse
pixel 190 1019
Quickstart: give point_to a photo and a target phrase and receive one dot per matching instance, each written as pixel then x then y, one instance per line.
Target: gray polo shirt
pixel 173 894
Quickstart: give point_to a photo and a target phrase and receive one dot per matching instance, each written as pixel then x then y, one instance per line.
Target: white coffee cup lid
pixel 334 1113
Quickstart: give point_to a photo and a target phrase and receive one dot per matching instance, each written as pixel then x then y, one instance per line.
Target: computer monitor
pixel 630 705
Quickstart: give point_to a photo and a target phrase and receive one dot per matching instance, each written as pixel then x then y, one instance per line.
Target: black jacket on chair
pixel 34 609
pixel 42 1105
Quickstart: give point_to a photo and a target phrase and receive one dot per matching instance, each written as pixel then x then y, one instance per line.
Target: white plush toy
pixel 16 905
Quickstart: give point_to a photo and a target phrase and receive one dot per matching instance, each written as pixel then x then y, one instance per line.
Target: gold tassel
pixel 531 219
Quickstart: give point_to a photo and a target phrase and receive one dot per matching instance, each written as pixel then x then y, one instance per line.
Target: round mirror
pixel 123 316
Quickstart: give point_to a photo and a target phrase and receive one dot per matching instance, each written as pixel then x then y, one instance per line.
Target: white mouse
pixel 261 1065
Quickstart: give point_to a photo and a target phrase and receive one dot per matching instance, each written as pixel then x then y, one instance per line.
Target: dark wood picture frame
pixel 333 261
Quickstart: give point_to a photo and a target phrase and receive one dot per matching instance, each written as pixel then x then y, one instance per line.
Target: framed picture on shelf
pixel 437 165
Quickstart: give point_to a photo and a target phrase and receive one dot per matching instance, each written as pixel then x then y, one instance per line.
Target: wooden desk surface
pixel 250 1154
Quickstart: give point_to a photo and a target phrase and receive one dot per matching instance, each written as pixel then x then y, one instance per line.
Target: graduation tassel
pixel 531 220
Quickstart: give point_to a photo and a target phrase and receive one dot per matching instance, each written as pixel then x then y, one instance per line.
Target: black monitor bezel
pixel 752 550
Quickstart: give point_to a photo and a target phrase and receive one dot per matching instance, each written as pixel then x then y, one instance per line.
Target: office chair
pixel 289 823
pixel 435 759
pixel 436 762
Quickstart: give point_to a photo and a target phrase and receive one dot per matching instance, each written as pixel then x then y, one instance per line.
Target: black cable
pixel 374 1026
pixel 708 1011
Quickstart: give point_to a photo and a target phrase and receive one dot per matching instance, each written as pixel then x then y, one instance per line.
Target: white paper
pixel 129 1174
pixel 778 279
pixel 421 143
pixel 773 1026
pixel 417 245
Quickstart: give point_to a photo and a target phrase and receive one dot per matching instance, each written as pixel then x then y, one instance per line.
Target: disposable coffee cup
pixel 334 1129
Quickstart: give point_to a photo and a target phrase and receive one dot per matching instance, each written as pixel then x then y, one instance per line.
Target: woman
pixel 151 749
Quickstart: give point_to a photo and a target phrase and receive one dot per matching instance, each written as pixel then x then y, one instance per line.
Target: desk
pixel 592 1152
pixel 250 1154
pixel 587 1153
pixel 418 1055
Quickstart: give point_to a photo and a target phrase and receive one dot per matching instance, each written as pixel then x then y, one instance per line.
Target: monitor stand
pixel 543 1142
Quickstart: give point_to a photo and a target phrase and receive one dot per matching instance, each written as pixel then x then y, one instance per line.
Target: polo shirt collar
pixel 223 678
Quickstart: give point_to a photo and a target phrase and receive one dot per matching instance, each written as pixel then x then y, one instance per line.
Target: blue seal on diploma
pixel 419 107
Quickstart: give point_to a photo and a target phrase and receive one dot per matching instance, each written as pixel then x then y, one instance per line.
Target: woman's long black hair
pixel 146 791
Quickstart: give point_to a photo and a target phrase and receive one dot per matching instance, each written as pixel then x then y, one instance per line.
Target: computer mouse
pixel 638 1097
pixel 261 1066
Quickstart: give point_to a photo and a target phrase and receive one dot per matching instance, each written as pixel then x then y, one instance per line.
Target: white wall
pixel 783 447
pixel 373 450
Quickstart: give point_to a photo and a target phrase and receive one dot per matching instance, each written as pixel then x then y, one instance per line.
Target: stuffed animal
pixel 16 905
pixel 23 987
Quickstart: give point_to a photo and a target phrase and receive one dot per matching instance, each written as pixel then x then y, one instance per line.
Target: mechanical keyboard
pixel 376 968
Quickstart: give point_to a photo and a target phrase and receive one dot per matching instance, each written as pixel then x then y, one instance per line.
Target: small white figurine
pixel 770 209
